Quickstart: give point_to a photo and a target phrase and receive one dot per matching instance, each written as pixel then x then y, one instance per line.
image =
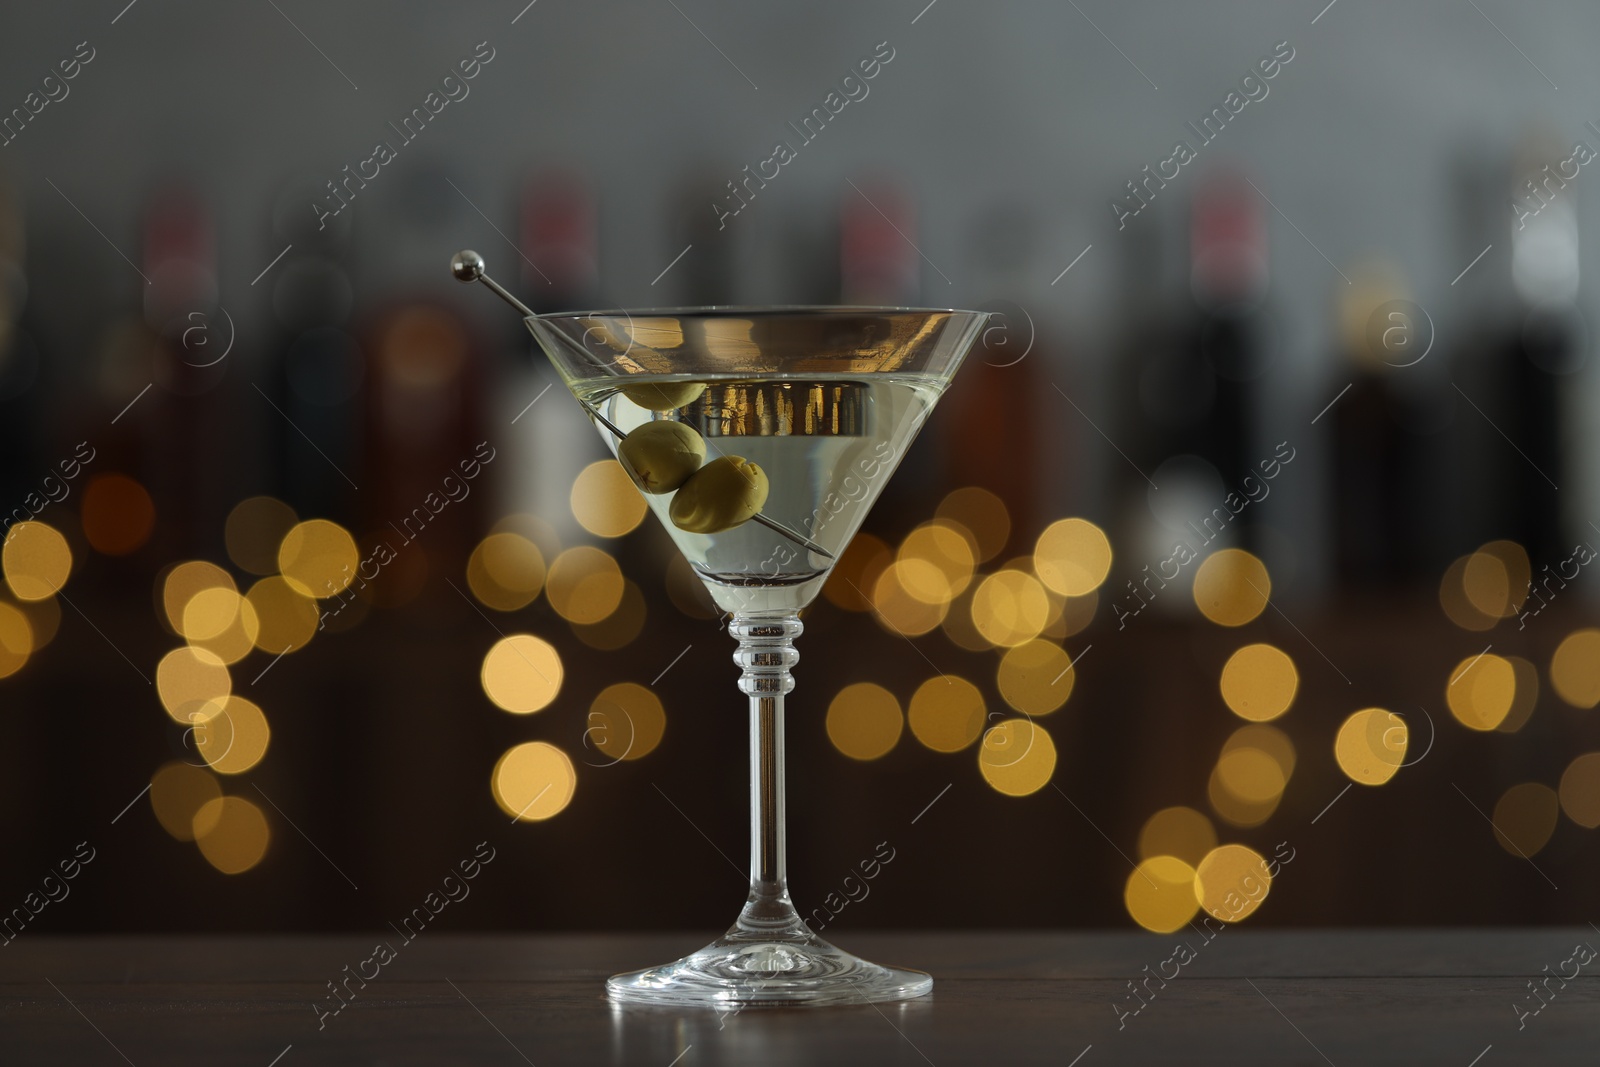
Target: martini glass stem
pixel 766 652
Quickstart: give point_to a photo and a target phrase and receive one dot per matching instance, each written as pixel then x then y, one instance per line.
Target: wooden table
pixel 1244 997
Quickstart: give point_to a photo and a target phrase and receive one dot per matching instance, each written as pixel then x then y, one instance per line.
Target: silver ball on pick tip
pixel 467 266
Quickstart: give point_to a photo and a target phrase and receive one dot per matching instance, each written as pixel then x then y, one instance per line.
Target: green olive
pixel 661 455
pixel 663 396
pixel 719 496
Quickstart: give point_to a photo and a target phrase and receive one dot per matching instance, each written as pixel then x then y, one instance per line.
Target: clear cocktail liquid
pixel 822 485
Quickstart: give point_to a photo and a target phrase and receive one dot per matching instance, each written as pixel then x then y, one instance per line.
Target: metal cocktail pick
pixel 467 266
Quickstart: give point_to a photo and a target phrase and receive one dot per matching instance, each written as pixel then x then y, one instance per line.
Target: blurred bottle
pixel 1386 446
pixel 548 443
pixel 1200 357
pixel 423 398
pixel 184 451
pixel 316 367
pixel 879 266
pixel 878 261
pixel 559 242
pixel 1228 279
pixel 700 265
pixel 20 407
pixel 1543 352
pixel 991 416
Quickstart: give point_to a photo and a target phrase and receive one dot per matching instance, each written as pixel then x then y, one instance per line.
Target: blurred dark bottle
pixel 1544 350
pixel 316 368
pixel 1386 446
pixel 183 457
pixel 879 266
pixel 1228 278
pixel 559 242
pixel 21 466
pixel 992 415
pixel 423 406
pixel 1199 368
pixel 547 438
pixel 878 260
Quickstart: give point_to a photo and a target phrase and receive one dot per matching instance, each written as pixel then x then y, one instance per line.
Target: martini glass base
pixel 744 970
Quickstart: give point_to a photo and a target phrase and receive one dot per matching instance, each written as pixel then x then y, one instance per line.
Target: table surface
pixel 1243 997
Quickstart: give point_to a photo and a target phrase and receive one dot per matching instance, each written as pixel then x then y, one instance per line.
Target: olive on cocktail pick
pixel 663 396
pixel 725 493
pixel 661 455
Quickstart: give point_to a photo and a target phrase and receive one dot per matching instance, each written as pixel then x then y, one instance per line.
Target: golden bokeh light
pixel 584 585
pixel 1010 608
pixel 505 571
pixel 1525 817
pixel 626 721
pixel 865 721
pixel 193 684
pixel 1580 790
pixel 851 583
pixel 44 616
pixel 1526 698
pixel 1070 615
pixel 946 713
pixel 1072 557
pixel 179 584
pixel 1251 775
pixel 1453 599
pixel 1179 831
pixel 936 561
pixel 1486 584
pixel 1514 558
pixel 1269 739
pixel 533 781
pixel 179 792
pixel 1371 746
pixel 534 529
pixel 237 834
pixel 118 514
pixel 618 629
pixel 522 673
pixel 16 639
pixel 319 558
pixel 1495 579
pixel 233 740
pixel 240 626
pixel 1160 894
pixel 1481 691
pixel 983 515
pixel 1575 669
pixel 1036 678
pixel 896 609
pixel 605 501
pixel 1231 882
pixel 286 618
pixel 1259 682
pixel 1231 587
pixel 1017 757
pixel 36 560
pixel 1235 811
pixel 210 612
pixel 958 625
pixel 253 531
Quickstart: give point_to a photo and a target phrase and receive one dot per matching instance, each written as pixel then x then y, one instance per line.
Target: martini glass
pixel 824 401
